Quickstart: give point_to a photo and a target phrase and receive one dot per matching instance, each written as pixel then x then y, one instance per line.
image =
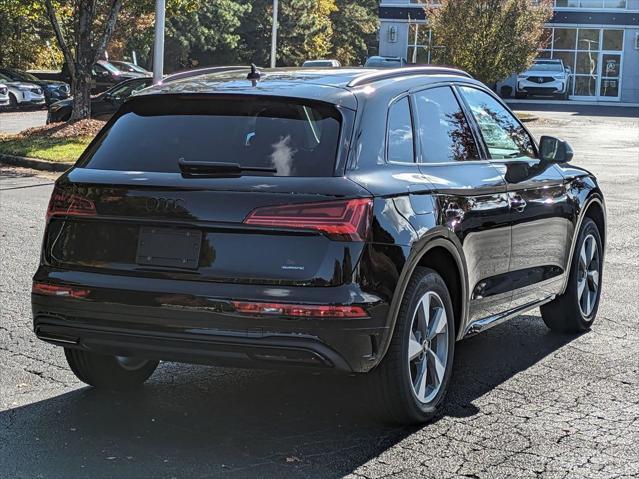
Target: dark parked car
pixel 53 90
pixel 129 67
pixel 104 105
pixel 104 75
pixel 355 220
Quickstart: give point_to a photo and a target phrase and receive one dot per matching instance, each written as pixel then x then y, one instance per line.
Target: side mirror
pixel 554 150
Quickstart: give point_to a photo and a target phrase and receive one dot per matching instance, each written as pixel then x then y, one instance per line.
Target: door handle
pixel 517 203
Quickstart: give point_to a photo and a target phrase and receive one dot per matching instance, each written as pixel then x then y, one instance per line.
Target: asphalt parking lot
pixel 524 402
pixel 16 121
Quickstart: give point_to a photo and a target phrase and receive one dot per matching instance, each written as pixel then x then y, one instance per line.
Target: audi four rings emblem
pixel 164 205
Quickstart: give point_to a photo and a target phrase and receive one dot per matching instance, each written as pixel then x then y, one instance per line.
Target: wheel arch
pixel 595 209
pixel 443 253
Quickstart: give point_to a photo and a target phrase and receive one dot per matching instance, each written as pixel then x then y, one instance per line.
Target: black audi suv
pixel 350 220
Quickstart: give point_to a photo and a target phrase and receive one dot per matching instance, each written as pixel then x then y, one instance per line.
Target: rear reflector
pixel 345 220
pixel 300 310
pixel 62 203
pixel 56 290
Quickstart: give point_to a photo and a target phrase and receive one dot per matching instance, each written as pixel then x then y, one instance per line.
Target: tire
pixel 109 372
pixel 13 102
pixel 394 382
pixel 573 311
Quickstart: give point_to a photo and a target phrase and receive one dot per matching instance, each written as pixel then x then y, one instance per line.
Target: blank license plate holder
pixel 169 247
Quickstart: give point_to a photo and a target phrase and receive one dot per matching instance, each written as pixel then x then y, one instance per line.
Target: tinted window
pixel 295 139
pixel 444 133
pixel 503 134
pixel 400 132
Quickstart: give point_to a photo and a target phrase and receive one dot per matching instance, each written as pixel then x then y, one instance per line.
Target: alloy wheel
pixel 428 347
pixel 588 276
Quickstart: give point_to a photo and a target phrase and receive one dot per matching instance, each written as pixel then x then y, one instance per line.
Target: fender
pixel 594 197
pixel 437 237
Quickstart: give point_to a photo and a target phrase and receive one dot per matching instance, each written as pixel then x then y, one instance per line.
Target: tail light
pixel 63 203
pixel 57 290
pixel 345 220
pixel 300 310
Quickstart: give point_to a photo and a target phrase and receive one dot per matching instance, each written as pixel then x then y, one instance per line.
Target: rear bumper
pixel 197 328
pixel 229 350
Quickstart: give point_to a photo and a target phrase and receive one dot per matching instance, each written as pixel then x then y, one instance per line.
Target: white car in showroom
pixel 4 95
pixel 22 93
pixel 545 77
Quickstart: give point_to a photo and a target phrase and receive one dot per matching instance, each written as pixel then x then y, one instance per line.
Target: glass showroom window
pixel 591 3
pixel 593 57
pixel 421 47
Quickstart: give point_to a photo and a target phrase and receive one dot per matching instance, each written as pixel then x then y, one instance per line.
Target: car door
pixel 539 204
pixel 470 193
pixel 101 79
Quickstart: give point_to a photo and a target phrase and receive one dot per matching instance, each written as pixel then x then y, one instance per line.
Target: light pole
pixel 158 48
pixel 274 35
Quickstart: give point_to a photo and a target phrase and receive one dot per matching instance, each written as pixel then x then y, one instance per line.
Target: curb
pixel 34 163
pixel 616 104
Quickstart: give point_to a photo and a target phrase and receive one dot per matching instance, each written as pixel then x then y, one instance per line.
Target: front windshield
pixel 383 62
pixel 24 76
pixel 136 68
pixel 127 89
pixel 547 67
pixel 109 67
pixel 4 78
pixel 128 67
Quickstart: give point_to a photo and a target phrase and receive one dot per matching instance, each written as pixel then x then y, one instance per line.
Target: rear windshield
pixel 153 133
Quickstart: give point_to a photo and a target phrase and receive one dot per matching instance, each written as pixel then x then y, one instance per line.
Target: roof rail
pixel 405 71
pixel 203 71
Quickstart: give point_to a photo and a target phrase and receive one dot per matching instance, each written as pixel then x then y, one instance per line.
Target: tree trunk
pixel 89 46
pixel 81 93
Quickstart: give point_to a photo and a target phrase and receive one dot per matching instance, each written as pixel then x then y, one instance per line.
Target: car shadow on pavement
pixel 193 421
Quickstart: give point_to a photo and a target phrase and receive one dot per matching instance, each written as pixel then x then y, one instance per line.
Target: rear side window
pixel 444 133
pixel 400 132
pixel 153 134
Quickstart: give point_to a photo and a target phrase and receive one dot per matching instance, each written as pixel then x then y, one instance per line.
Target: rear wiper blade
pixel 212 169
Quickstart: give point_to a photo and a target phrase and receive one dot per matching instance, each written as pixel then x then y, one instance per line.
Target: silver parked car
pixel 4 95
pixel 22 93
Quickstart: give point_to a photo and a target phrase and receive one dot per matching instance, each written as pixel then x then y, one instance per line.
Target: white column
pixel 158 48
pixel 274 35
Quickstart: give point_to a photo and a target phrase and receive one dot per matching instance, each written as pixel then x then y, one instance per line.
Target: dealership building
pixel 598 40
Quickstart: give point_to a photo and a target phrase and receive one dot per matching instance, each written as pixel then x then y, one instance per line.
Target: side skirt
pixel 483 324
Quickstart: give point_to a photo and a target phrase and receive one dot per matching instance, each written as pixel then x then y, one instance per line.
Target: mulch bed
pixel 65 130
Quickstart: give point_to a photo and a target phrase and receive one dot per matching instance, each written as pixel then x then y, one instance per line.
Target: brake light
pixel 345 220
pixel 300 310
pixel 62 203
pixel 56 290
